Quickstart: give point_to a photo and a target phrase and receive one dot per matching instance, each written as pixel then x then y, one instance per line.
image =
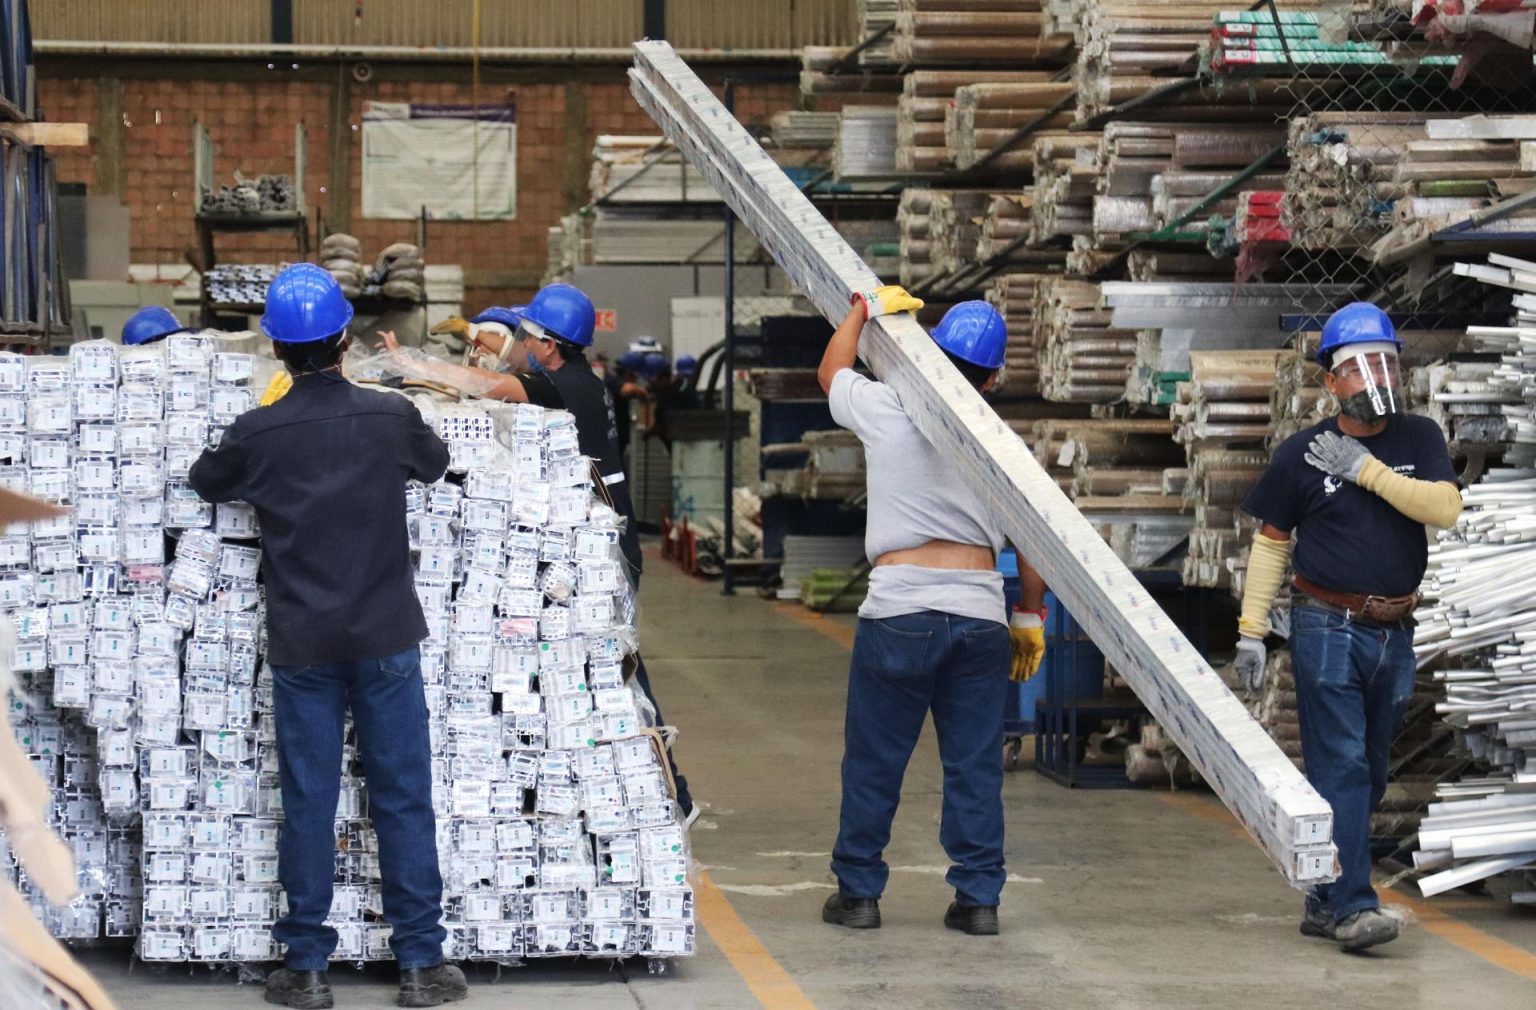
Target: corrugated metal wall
pixel 203 21
pixel 735 24
pixel 760 24
pixel 510 23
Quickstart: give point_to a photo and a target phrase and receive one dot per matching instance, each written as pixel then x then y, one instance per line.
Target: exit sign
pixel 607 321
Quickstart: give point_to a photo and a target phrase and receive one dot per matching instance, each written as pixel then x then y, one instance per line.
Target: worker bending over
pixel 932 632
pixel 1356 491
pixel 326 469
pixel 552 332
pixel 151 325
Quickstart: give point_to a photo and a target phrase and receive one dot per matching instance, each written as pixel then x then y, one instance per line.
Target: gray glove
pixel 1338 455
pixel 1250 663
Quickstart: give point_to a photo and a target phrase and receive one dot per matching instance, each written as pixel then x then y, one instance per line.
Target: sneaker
pixel 975 920
pixel 301 990
pixel 854 913
pixel 1317 923
pixel 1365 929
pixel 434 986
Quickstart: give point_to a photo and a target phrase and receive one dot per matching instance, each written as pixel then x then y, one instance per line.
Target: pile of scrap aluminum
pixel 866 142
pixel 265 194
pixel 1455 182
pixel 1476 630
pixel 1253 777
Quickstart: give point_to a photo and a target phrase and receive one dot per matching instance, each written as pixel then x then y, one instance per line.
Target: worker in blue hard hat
pixel 552 333
pixel 934 631
pixel 151 324
pixel 1354 492
pixel 326 468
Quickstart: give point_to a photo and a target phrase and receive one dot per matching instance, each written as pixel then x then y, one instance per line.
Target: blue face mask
pixel 533 363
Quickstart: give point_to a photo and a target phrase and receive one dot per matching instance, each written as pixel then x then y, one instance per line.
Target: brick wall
pixel 251 122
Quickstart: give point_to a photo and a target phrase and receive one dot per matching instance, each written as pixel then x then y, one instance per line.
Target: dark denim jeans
pixel 1352 684
pixel 902 668
pixel 389 711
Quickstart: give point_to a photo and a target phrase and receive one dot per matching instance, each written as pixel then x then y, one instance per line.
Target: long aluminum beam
pixel 1255 780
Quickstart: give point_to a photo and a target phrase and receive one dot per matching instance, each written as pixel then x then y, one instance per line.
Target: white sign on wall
pixel 457 161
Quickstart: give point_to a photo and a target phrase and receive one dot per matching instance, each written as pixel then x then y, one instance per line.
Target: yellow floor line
pixel 767 979
pixel 1432 917
pixel 839 633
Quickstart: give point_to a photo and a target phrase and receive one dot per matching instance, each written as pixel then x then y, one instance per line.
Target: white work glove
pixel 887 301
pixel 1249 663
pixel 1338 455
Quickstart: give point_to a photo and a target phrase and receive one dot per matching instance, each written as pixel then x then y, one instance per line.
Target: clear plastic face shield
pixel 1368 381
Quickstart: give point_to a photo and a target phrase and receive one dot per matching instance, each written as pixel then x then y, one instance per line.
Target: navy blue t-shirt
pixel 1348 539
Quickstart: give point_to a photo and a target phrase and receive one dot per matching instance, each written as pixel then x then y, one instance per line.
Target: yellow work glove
pixel 453 324
pixel 1026 635
pixel 277 388
pixel 887 301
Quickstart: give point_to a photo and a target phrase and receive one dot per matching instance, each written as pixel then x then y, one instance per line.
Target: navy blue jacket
pixel 326 468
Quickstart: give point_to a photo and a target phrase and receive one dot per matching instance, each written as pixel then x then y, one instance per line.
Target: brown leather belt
pixel 1362 606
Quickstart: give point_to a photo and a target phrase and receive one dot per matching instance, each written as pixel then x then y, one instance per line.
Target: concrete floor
pixel 1117 898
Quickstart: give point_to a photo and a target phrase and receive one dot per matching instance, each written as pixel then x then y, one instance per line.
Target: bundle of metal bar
pixel 1287 817
pixel 1285 42
pixel 866 143
pixel 643 169
pixel 1015 296
pixel 954 222
pixel 877 22
pixel 1464 167
pixel 912 217
pixel 1083 358
pixel 1065 183
pixel 974 32
pixel 804 129
pixel 824 71
pixel 984 116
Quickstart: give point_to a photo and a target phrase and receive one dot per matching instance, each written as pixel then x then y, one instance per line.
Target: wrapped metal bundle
pixel 1065 183
pixel 912 216
pixel 1083 359
pixel 970 32
pixel 866 142
pixel 986 115
pixel 804 129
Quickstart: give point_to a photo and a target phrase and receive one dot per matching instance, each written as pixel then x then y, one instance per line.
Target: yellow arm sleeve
pixel 1436 502
pixel 277 388
pixel 1267 563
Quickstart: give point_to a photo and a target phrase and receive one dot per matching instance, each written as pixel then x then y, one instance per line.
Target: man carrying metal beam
pixel 931 634
pixel 1360 556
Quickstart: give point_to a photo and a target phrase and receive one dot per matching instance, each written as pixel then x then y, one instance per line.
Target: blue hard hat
pixel 563 311
pixel 497 314
pixel 686 365
pixel 633 361
pixel 150 324
pixel 974 332
pixel 305 304
pixel 1355 323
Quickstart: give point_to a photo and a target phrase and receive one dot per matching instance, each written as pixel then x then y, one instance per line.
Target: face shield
pixel 1368 381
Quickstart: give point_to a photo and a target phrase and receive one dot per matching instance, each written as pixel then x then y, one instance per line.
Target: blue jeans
pixel 902 667
pixel 389 710
pixel 1352 684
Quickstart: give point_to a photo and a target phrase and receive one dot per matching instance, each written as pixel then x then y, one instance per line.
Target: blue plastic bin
pixel 1080 670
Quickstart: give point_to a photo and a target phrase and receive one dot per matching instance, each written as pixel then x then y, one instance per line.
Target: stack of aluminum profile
pixel 912 217
pixel 641 169
pixel 34 295
pixel 240 284
pixel 927 108
pixel 1465 166
pixel 1339 187
pixel 1475 626
pixel 821 74
pixel 1284 42
pixel 866 143
pixel 876 16
pixel 1117 481
pixel 961 33
pixel 1083 357
pixel 1291 822
pixel 557 832
pixel 954 227
pixel 1014 295
pixel 804 129
pixel 984 116
pixel 1065 183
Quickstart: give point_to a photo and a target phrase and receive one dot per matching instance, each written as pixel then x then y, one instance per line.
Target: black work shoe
pixel 1317 924
pixel 302 990
pixel 1365 929
pixel 976 920
pixel 855 913
pixel 434 986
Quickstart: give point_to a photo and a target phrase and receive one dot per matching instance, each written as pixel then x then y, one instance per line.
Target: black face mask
pixel 1360 407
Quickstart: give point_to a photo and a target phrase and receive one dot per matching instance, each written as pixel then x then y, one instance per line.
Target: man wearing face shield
pixel 1356 491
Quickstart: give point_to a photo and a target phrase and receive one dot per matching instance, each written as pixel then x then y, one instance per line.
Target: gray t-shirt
pixel 915 496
